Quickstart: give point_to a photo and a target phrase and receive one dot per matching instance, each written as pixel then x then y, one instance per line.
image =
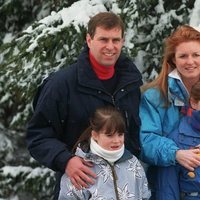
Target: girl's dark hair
pixel 108 119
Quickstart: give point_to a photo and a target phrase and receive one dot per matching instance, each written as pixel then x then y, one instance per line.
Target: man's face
pixel 106 45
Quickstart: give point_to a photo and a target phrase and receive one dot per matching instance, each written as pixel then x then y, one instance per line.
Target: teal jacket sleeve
pixel 157 121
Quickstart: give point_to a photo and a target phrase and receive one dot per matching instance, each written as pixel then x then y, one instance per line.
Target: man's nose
pixel 110 44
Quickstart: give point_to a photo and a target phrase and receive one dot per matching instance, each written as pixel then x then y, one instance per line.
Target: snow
pixel 8 38
pixel 195 16
pixel 80 13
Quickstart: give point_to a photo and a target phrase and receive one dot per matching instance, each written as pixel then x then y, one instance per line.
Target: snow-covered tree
pixel 34 50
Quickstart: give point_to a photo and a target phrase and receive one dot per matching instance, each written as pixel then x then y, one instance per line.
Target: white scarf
pixel 110 156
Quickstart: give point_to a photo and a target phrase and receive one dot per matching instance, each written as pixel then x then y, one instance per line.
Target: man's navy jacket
pixel 65 102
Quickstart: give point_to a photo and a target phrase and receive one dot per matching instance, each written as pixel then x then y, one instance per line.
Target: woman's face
pixel 187 60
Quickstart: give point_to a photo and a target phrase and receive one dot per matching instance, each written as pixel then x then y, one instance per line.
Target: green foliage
pixel 50 44
pixel 150 22
pixel 28 60
pixel 23 180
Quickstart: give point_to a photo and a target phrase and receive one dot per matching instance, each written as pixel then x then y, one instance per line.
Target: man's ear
pixel 88 39
pixel 123 40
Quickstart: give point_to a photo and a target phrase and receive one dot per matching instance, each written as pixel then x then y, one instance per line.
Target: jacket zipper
pixel 115 178
pixel 113 100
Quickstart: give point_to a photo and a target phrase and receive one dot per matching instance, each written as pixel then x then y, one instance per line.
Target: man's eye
pixel 103 39
pixel 116 40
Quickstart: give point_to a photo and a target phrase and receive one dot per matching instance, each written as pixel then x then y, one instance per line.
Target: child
pixel 178 182
pixel 120 175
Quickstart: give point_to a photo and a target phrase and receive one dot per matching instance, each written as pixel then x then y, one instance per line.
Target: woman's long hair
pixel 183 33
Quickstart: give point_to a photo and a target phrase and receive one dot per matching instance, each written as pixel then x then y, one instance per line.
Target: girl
pixel 120 175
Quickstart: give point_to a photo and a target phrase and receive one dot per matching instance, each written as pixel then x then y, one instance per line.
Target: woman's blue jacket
pixel 158 120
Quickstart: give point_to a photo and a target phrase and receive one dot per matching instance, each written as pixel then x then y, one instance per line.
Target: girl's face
pixel 109 142
pixel 195 104
pixel 187 60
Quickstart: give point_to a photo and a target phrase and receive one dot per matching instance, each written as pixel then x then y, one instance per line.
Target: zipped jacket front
pixel 125 179
pixel 174 180
pixel 65 102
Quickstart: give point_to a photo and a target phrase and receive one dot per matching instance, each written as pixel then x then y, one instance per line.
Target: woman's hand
pixel 190 159
pixel 79 172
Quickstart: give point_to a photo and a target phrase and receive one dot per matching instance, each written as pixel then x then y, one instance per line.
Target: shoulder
pixel 62 76
pixel 64 72
pixel 125 63
pixel 153 96
pixel 151 92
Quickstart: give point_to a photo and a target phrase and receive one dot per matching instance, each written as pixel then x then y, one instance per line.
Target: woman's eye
pixel 182 56
pixel 196 55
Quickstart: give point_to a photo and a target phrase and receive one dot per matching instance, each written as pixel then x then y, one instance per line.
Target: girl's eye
pixel 109 135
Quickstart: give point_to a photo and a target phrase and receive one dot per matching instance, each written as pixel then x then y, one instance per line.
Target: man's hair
pixel 106 20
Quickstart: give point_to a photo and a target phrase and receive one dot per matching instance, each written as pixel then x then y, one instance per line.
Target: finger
pixel 75 184
pixel 189 167
pixel 196 150
pixel 88 172
pixel 196 162
pixel 86 177
pixel 89 164
pixel 81 182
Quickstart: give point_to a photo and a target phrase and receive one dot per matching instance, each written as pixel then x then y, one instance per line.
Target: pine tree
pixel 54 42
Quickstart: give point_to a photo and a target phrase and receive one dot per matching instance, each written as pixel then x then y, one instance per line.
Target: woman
pixel 119 173
pixel 176 181
pixel 162 100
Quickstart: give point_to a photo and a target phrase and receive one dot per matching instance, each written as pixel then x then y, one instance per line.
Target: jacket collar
pixel 87 155
pixel 124 66
pixel 177 91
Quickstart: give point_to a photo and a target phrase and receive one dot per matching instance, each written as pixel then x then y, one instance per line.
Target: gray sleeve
pixel 69 192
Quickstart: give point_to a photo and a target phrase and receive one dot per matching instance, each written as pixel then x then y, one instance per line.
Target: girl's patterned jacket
pixel 123 180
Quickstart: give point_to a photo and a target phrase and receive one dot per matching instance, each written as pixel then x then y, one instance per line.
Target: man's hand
pixel 79 172
pixel 188 158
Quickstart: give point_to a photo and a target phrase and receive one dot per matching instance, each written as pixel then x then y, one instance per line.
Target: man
pixel 101 76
